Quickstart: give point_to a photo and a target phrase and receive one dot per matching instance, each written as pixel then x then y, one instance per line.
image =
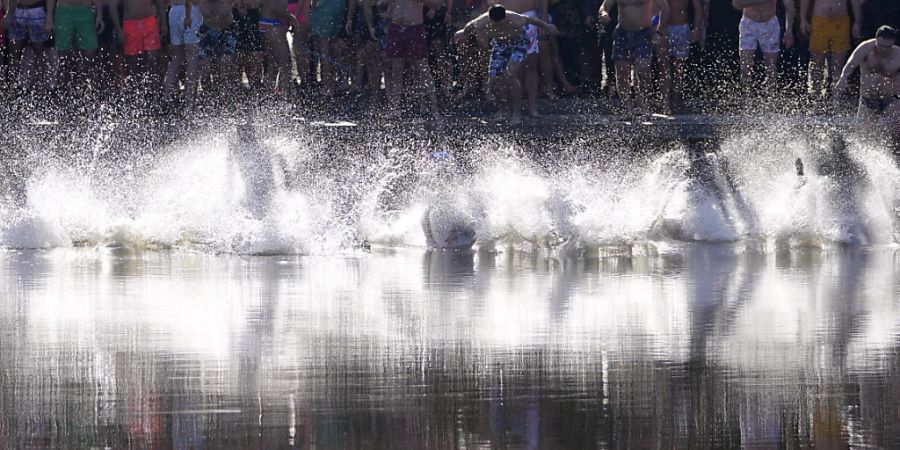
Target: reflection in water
pixel 709 346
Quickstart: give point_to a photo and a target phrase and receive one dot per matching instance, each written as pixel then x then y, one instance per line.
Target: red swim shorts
pixel 406 42
pixel 141 35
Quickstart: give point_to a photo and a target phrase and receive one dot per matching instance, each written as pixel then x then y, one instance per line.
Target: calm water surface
pixel 708 346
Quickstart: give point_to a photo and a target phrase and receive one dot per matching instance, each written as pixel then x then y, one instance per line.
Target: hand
pixel 696 35
pixel 840 87
pixel 857 30
pixel 120 36
pixel 804 27
pixel 187 22
pixel 4 24
pixel 164 31
pixel 552 29
pixel 604 18
pixel 348 27
pixel 99 25
pixel 430 14
pixel 788 39
pixel 588 21
pixel 448 19
pixel 372 34
pixel 48 25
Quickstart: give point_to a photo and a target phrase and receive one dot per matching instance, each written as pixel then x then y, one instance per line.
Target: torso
pixel 829 8
pixel 762 12
pixel 880 76
pixel 217 13
pixel 678 12
pixel 635 14
pixel 406 13
pixel 138 9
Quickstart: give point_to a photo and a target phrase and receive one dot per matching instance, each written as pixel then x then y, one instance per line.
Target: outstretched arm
pixel 858 56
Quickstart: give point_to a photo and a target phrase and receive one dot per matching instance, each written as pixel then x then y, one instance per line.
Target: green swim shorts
pixel 74 22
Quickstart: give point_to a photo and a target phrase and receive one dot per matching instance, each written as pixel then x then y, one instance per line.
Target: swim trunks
pixel 75 23
pixel 178 35
pixel 28 23
pixel 533 35
pixel 878 105
pixel 327 18
pixel 249 38
pixel 141 35
pixel 680 41
pixel 503 53
pixel 763 35
pixel 630 45
pixel 406 42
pixel 216 43
pixel 829 34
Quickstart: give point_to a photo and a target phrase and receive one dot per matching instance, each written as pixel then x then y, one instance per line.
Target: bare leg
pixel 642 68
pixel 395 87
pixel 515 92
pixel 817 74
pixel 281 57
pixel 678 69
pixel 746 69
pixel 424 73
pixel 838 60
pixel 192 75
pixel 531 83
pixel 176 53
pixel 661 46
pixel 624 84
pixel 771 62
pixel 545 66
pixel 326 65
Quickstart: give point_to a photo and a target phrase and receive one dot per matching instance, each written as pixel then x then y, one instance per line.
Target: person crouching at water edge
pixel 879 81
pixel 509 47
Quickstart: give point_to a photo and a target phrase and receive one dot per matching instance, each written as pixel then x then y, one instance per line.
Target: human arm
pixel 98 16
pixel 857 18
pixel 788 23
pixel 351 14
pixel 699 17
pixel 548 27
pixel 161 18
pixel 856 58
pixel 188 6
pixel 10 13
pixel 51 13
pixel 663 7
pixel 370 19
pixel 804 17
pixel 605 7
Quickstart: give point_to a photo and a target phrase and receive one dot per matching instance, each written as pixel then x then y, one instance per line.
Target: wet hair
pixel 886 32
pixel 497 13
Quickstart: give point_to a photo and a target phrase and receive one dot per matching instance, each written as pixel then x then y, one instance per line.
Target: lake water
pixel 703 345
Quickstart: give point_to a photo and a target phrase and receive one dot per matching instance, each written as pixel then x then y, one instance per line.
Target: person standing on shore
pixel 759 29
pixel 406 44
pixel 682 33
pixel 74 23
pixel 185 20
pixel 274 21
pixel 140 29
pixel 827 24
pixel 633 46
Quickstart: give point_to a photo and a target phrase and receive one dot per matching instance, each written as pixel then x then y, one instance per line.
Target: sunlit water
pixel 265 291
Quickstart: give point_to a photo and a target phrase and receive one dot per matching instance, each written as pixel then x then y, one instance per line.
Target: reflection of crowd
pixel 648 54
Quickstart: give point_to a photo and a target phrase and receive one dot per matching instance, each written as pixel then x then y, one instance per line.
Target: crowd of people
pixel 648 54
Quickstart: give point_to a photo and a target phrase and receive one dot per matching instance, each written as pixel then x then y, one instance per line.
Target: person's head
pixel 885 38
pixel 497 13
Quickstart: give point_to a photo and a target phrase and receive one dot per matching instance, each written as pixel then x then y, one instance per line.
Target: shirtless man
pixel 73 22
pixel 829 33
pixel 759 28
pixel 879 80
pixel 251 45
pixel 530 8
pixel 24 21
pixel 274 20
pixel 509 42
pixel 140 29
pixel 218 40
pixel 407 44
pixel 633 41
pixel 681 35
pixel 185 20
